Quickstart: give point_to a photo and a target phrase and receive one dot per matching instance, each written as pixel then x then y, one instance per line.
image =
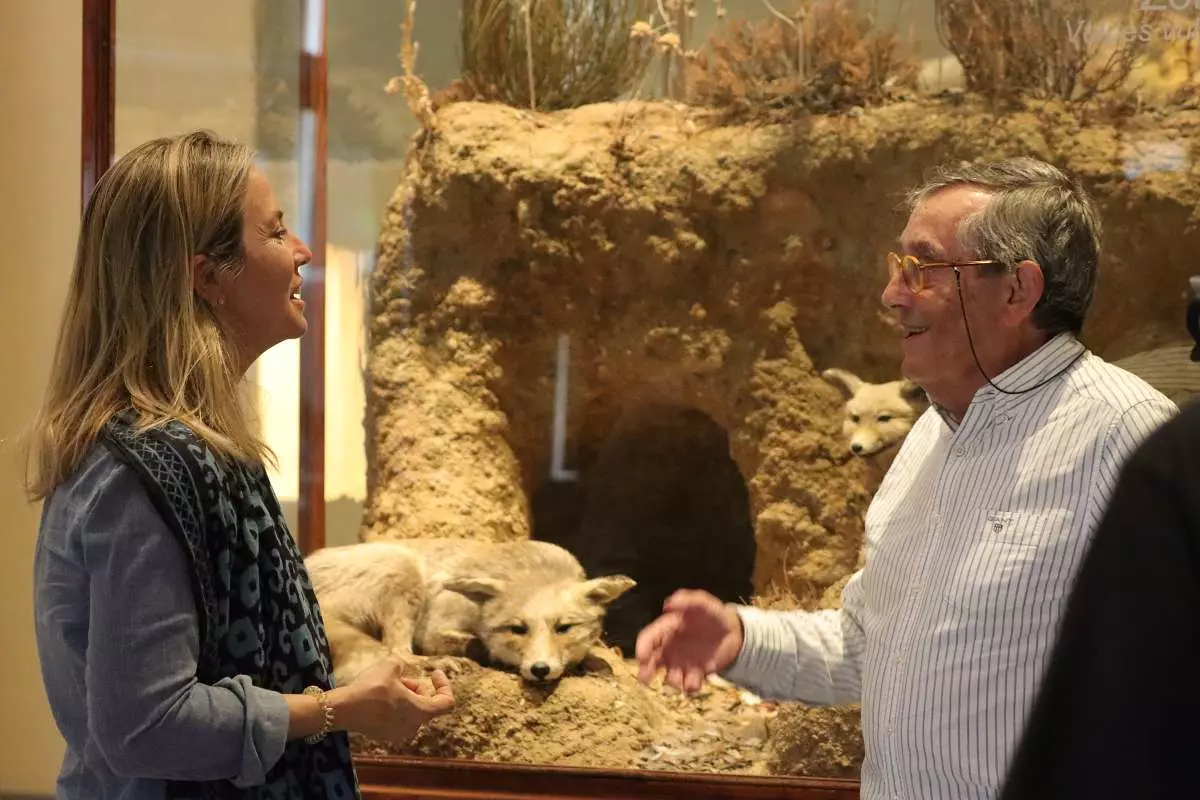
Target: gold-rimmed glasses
pixel 913 269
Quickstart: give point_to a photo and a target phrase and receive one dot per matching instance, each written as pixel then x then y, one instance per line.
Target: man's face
pixel 937 354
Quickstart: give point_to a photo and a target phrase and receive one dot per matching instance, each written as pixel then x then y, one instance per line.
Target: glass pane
pixel 610 327
pixel 233 68
pixel 643 322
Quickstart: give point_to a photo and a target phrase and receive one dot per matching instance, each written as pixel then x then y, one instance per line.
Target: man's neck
pixel 956 400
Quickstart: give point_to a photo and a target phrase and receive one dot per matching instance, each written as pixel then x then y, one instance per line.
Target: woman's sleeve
pixel 147 711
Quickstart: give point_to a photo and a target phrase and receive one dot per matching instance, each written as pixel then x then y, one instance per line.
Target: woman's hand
pixel 384 705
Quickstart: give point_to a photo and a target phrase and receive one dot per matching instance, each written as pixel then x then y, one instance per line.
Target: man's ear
pixel 204 280
pixel 1026 288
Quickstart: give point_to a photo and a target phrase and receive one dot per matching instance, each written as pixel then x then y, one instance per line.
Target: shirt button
pixel 959 451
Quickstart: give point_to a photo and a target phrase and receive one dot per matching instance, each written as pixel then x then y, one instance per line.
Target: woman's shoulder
pixel 98 472
pixel 99 485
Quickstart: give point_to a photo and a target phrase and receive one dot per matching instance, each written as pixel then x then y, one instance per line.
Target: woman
pixel 181 645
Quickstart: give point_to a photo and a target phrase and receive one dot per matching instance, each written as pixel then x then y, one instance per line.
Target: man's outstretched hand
pixel 697 635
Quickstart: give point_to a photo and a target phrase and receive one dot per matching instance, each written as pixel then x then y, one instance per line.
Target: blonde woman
pixel 182 648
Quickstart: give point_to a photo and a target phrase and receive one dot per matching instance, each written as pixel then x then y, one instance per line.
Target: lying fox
pixel 528 604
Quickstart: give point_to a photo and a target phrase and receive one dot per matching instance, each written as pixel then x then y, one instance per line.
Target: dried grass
pixel 551 54
pixel 824 57
pixel 1037 48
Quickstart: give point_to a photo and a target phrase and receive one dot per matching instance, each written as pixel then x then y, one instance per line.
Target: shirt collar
pixel 1036 368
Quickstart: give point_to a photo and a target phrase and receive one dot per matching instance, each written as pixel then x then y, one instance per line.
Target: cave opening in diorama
pixel 659 499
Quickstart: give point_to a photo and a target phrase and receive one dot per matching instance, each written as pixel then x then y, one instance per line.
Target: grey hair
pixel 1040 213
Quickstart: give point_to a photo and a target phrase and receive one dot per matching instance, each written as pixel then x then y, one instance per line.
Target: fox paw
pixel 452 666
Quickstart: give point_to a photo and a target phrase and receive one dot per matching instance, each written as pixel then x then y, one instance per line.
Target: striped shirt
pixel 973 541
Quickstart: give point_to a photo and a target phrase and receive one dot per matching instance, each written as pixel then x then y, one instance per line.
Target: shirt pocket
pixel 1005 560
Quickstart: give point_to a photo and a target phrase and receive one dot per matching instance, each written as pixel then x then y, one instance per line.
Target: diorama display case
pixel 395 778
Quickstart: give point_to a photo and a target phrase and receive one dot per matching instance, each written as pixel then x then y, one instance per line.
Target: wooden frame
pixel 399 778
pixel 425 779
pixel 310 510
pixel 98 136
pixel 99 92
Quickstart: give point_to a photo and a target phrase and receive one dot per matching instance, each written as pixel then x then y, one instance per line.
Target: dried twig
pixel 801 35
pixel 416 93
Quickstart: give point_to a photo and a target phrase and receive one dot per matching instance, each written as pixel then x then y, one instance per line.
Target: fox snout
pixel 541 671
pixel 865 444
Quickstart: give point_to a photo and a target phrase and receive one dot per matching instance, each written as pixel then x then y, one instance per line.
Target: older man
pixel 975 534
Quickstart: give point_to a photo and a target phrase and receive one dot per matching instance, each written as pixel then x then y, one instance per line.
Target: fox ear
pixel 910 390
pixel 605 590
pixel 477 590
pixel 848 381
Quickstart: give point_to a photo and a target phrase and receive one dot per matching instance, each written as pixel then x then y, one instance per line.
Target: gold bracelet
pixel 326 709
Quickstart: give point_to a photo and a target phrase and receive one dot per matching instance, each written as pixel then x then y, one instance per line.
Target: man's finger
pixel 693 680
pixel 655 636
pixel 686 600
pixel 648 666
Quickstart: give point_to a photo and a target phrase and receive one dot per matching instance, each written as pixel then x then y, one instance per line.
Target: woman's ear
pixel 204 281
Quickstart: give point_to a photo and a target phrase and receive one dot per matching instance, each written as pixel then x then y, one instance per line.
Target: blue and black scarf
pixel 258 614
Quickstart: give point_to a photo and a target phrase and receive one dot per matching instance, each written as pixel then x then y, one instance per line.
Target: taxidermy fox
pixel 877 415
pixel 525 604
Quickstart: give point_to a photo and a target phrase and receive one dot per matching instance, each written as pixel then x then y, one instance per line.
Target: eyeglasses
pixel 913 270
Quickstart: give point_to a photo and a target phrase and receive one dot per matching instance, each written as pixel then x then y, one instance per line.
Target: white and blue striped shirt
pixel 973 541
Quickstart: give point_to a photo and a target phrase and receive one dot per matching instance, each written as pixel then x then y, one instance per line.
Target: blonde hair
pixel 134 333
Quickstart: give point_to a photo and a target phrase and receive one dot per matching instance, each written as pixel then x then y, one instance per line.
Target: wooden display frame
pixel 395 778
pixel 426 779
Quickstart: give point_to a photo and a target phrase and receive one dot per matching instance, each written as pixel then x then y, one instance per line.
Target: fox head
pixel 877 415
pixel 545 630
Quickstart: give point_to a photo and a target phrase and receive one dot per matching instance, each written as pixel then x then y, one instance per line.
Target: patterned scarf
pixel 258 614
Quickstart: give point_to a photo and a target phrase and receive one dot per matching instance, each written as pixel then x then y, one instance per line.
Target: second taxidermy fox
pixel 528 604
pixel 877 416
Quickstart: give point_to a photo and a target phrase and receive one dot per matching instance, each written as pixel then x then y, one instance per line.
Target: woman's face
pixel 259 304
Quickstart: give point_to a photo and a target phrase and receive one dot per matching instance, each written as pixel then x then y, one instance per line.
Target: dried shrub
pixel 826 57
pixel 551 54
pixel 1045 49
pixel 1168 71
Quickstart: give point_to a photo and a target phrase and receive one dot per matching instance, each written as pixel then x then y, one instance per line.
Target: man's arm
pixel 811 656
pixel 1115 711
pixel 1123 437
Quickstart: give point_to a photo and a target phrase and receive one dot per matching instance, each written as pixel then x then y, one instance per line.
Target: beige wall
pixel 39 207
